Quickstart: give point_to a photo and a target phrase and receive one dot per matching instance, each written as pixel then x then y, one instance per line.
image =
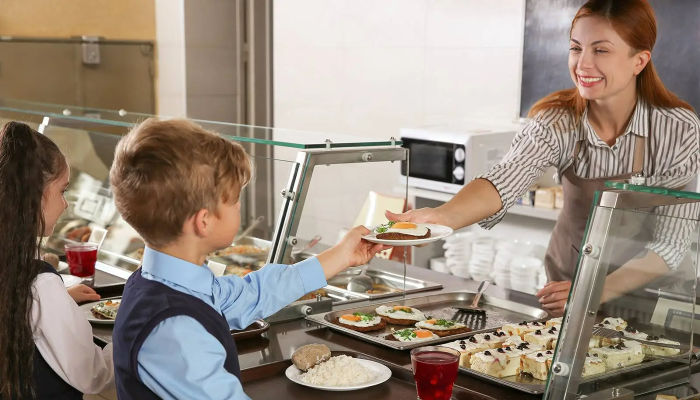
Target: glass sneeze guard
pixel 277 204
pixel 120 121
pixel 636 279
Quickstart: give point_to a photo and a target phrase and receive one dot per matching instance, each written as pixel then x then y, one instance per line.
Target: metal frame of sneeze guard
pixel 295 192
pixel 584 302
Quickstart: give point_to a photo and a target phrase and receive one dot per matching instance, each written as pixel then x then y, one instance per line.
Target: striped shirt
pixel 672 157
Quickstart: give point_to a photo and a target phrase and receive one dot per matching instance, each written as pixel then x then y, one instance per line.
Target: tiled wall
pixel 369 68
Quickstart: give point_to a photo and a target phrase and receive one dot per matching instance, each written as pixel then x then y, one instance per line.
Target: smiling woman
pixel 619 120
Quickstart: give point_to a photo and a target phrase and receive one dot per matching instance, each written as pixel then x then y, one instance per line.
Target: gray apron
pixel 564 245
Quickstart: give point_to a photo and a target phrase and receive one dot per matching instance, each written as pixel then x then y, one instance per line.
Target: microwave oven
pixel 444 159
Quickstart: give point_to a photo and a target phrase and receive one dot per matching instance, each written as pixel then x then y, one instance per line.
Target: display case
pixel 630 321
pixel 305 185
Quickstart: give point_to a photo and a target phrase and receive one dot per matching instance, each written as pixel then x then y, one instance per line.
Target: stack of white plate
pixel 501 262
pixel 525 273
pixel 439 264
pixel 458 250
pixel 481 261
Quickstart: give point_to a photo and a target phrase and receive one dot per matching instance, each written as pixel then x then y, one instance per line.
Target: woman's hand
pixel 429 215
pixel 352 250
pixel 81 293
pixel 553 297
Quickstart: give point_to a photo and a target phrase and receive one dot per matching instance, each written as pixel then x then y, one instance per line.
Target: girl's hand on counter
pixel 352 250
pixel 553 297
pixel 81 293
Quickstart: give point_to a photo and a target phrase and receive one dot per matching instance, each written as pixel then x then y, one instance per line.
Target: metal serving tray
pixel 498 313
pixel 386 284
pixel 244 259
pixel 528 384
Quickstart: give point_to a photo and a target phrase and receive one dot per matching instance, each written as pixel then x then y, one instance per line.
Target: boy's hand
pixel 81 293
pixel 352 250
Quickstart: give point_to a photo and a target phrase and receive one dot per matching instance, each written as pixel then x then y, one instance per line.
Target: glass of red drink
pixel 435 370
pixel 81 258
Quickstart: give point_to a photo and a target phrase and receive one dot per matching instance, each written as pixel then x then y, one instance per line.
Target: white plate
pixel 437 232
pixel 70 280
pixel 87 311
pixel 382 374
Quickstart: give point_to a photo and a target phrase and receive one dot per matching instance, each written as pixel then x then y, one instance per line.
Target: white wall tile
pixel 309 22
pixel 370 23
pixel 474 23
pixel 371 67
pixel 472 83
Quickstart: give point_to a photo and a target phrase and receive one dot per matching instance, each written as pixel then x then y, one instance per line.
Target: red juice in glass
pixel 435 370
pixel 81 258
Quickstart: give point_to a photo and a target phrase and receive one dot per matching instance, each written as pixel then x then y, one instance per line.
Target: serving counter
pixel 276 345
pixel 283 338
pixel 317 184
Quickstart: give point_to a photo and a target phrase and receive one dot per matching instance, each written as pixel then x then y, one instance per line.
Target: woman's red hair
pixel 635 22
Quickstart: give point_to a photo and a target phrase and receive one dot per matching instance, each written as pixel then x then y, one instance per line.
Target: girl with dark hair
pixel 45 341
pixel 619 120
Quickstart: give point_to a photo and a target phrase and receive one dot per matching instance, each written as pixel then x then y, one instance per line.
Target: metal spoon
pixel 361 283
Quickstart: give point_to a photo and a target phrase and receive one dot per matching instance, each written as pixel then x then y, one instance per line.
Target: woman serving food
pixel 618 121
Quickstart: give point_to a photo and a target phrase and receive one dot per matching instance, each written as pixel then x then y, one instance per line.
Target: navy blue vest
pixel 47 383
pixel 145 304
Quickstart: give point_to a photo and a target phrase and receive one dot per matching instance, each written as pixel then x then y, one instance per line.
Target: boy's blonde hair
pixel 166 171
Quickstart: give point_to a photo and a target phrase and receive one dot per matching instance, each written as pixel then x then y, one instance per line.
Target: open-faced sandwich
pixel 400 315
pixel 106 309
pixel 361 322
pixel 413 335
pixel 442 327
pixel 394 230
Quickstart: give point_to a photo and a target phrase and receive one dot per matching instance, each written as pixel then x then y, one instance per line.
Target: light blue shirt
pixel 179 359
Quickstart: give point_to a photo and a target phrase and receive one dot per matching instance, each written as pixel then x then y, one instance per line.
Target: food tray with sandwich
pixel 520 355
pixel 104 312
pixel 425 320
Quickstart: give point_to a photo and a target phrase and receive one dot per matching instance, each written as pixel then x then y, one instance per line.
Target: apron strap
pixel 639 149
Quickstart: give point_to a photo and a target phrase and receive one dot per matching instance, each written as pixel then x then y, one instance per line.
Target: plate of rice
pixel 341 373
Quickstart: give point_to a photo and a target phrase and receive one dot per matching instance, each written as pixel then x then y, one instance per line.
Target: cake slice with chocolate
pixel 623 354
pixel 466 350
pixel 592 366
pixel 543 338
pixel 491 339
pixel 522 328
pixel 537 364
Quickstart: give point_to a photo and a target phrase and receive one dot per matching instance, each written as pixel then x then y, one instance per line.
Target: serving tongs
pixel 614 334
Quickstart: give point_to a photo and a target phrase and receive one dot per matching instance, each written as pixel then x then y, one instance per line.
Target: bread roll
pixel 307 356
pixel 51 259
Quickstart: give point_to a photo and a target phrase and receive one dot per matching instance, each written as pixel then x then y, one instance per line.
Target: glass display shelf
pixel 630 322
pixel 120 121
